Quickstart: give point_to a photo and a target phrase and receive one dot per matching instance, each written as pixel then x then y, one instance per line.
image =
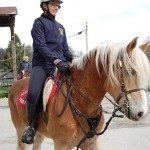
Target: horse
pixel 23 74
pixel 144 46
pixel 120 69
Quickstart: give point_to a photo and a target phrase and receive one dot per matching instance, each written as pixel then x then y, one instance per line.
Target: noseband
pixel 124 92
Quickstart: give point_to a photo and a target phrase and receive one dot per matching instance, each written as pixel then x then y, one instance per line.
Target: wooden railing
pixel 6 78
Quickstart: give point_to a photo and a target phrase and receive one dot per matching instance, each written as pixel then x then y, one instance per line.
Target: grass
pixel 4 92
pixel 5 82
pixel 1 69
pixel 148 88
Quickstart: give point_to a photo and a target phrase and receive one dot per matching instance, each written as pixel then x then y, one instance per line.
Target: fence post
pixel 13 48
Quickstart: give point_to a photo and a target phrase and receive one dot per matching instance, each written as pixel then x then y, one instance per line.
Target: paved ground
pixel 122 134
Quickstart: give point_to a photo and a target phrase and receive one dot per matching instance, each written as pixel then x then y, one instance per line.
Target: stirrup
pixel 28 135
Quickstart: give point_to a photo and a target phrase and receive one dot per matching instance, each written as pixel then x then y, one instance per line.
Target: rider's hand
pixel 62 66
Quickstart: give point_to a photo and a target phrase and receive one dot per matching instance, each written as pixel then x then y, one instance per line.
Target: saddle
pixel 50 87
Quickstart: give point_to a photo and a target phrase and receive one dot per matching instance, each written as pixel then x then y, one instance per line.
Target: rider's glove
pixel 62 66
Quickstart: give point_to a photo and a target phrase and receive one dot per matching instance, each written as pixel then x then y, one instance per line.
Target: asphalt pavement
pixel 122 134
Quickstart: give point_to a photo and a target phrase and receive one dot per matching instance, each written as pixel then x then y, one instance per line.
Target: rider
pixel 50 51
pixel 23 65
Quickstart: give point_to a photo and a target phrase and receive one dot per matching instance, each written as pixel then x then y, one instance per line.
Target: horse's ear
pixel 145 46
pixel 142 48
pixel 131 45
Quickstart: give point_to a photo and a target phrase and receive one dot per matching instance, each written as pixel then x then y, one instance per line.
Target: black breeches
pixel 35 93
pixel 36 83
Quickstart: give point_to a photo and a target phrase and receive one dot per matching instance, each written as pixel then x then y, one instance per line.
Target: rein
pixel 67 98
pixel 93 122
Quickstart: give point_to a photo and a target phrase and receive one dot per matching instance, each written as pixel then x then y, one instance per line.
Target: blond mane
pixel 138 61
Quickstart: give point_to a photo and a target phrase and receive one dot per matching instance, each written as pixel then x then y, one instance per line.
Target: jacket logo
pixel 61 31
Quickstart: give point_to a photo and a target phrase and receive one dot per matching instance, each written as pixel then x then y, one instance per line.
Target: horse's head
pixel 119 69
pixel 127 77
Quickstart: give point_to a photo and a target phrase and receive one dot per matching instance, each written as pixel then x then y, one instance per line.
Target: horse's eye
pixel 130 73
pixel 133 72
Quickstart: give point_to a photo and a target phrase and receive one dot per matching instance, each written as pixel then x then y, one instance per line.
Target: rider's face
pixel 53 7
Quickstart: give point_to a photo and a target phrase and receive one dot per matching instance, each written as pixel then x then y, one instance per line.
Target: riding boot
pixel 29 132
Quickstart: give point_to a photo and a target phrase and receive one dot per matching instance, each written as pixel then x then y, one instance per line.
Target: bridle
pixel 93 122
pixel 124 92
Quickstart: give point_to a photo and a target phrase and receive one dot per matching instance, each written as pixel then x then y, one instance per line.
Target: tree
pixel 2 53
pixel 8 63
pixel 72 51
pixel 75 54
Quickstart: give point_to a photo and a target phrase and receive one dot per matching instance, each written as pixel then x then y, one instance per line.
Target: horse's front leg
pixel 60 145
pixel 93 146
pixel 38 141
pixel 20 145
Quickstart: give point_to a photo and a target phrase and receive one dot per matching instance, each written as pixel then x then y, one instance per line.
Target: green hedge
pixel 3 92
pixel 148 88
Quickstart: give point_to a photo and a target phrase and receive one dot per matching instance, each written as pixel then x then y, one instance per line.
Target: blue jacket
pixel 49 42
pixel 22 65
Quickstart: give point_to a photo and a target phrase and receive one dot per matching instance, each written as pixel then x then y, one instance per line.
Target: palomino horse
pixel 119 69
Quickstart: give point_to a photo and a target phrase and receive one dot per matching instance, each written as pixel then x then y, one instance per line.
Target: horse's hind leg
pixel 38 141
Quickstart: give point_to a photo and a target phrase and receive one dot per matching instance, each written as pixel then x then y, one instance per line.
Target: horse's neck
pixel 88 87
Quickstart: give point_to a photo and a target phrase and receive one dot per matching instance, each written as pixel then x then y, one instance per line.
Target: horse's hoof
pixel 28 135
